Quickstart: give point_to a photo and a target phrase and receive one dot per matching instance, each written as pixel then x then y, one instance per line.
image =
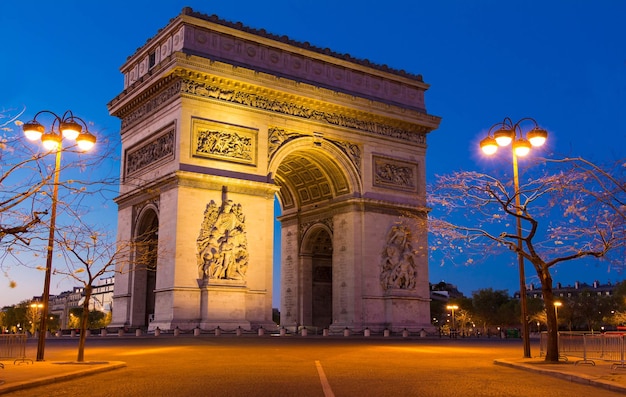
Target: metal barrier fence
pixel 607 346
pixel 13 346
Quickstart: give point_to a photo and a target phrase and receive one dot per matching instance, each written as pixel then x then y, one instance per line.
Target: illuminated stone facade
pixel 218 120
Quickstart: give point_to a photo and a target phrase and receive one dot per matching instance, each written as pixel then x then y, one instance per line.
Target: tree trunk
pixel 83 325
pixel 552 348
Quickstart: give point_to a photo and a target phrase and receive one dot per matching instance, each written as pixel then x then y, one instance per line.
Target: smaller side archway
pixel 144 267
pixel 317 277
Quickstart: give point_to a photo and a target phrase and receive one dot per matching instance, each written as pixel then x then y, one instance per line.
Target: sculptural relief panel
pixel 155 151
pixel 394 174
pixel 399 270
pixel 222 246
pixel 222 141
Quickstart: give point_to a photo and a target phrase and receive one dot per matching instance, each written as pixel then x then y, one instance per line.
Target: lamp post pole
pixel 452 308
pixel 506 134
pixel 66 126
pixel 520 262
pixel 41 342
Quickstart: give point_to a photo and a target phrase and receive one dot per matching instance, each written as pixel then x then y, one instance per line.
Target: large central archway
pixel 314 175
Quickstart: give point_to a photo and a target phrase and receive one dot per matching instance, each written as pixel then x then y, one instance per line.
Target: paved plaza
pixel 301 366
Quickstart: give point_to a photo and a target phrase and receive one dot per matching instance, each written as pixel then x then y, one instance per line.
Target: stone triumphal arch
pixel 219 120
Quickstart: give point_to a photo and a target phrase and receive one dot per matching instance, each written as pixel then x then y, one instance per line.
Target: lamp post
pixel 509 133
pixel 557 304
pixel 37 307
pixel 453 308
pixel 69 127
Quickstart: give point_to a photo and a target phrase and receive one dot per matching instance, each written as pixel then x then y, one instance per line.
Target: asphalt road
pixel 299 366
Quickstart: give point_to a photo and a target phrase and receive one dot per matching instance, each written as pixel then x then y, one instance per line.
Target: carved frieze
pixel 259 101
pixel 399 270
pixel 160 148
pixel 150 101
pixel 394 174
pixel 172 87
pixel 222 141
pixel 222 246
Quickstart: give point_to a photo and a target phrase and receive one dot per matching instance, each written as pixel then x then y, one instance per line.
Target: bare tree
pixel 90 255
pixel 571 209
pixel 22 175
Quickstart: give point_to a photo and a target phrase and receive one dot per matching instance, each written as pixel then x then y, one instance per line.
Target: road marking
pixel 328 392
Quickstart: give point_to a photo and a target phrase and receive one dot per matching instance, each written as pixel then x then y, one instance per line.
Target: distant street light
pixel 38 307
pixel 557 304
pixel 68 127
pixel 506 134
pixel 453 308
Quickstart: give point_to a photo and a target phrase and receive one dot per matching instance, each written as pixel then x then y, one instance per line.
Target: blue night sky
pixel 561 62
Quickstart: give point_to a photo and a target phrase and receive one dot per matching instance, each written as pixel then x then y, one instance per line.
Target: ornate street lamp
pixel 509 133
pixel 69 127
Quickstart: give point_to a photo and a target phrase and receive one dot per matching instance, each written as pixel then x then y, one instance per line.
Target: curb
pixel 102 367
pixel 569 376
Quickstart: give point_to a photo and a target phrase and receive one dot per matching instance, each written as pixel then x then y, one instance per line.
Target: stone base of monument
pixel 223 303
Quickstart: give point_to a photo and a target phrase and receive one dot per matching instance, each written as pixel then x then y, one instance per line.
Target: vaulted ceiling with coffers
pixel 306 177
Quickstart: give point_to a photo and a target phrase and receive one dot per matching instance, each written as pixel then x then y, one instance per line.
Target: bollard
pixel 366 333
pixel 73 333
pixel 138 332
pixel 325 332
pixel 261 331
pixel 176 331
pixel 346 332
pixel 157 331
pixel 386 333
pixel 282 331
pixel 196 331
pixel 218 331
pixel 238 332
pixel 103 332
pixel 304 332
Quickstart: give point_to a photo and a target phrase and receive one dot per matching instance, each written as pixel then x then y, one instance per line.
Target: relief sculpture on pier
pixel 222 244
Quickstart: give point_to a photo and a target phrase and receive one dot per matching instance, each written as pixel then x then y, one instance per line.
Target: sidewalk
pixel 23 375
pixel 601 375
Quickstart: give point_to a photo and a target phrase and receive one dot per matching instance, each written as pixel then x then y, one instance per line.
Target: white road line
pixel 328 392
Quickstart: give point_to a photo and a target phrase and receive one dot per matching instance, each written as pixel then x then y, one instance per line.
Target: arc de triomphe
pixel 218 121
